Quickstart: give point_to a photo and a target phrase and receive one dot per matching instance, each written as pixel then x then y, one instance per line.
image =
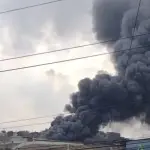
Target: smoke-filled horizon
pixel 107 98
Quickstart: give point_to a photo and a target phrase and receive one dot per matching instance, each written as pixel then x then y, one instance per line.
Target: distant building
pixel 10 142
pixel 113 136
pixel 17 139
pixel 102 141
pixel 141 144
pixel 43 145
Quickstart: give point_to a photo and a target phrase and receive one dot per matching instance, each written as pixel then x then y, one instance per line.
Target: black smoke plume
pixel 109 98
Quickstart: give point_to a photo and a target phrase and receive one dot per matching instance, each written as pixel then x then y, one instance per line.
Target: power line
pixel 70 48
pixel 74 47
pixel 69 60
pixel 136 17
pixel 112 106
pixel 37 118
pixel 46 52
pixel 134 28
pixel 11 127
pixel 28 119
pixel 30 6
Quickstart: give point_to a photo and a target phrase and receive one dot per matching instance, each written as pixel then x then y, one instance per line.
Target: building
pixel 140 144
pixel 103 141
pixel 43 145
pixel 10 142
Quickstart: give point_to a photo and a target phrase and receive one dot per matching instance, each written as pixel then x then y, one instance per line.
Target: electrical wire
pixel 69 60
pixel 42 122
pixel 70 48
pixel 27 119
pixel 74 47
pixel 138 10
pixel 40 4
pixel 30 6
pixel 64 48
pixel 48 116
pixel 12 127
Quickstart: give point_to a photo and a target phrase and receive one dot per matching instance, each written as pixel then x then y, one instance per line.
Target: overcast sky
pixel 45 90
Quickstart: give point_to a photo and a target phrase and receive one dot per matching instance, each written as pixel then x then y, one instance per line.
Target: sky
pixel 44 91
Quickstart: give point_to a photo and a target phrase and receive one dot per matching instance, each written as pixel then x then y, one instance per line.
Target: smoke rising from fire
pixel 107 98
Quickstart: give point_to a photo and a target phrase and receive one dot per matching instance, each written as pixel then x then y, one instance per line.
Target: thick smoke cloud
pixel 107 98
pixel 105 14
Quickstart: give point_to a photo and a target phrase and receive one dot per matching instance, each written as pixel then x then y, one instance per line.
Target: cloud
pixel 26 97
pixel 25 27
pixel 50 95
pixel 138 130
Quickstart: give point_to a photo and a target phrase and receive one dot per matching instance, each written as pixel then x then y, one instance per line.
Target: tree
pixel 10 133
pixel 23 133
pixel 3 131
pixel 35 134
